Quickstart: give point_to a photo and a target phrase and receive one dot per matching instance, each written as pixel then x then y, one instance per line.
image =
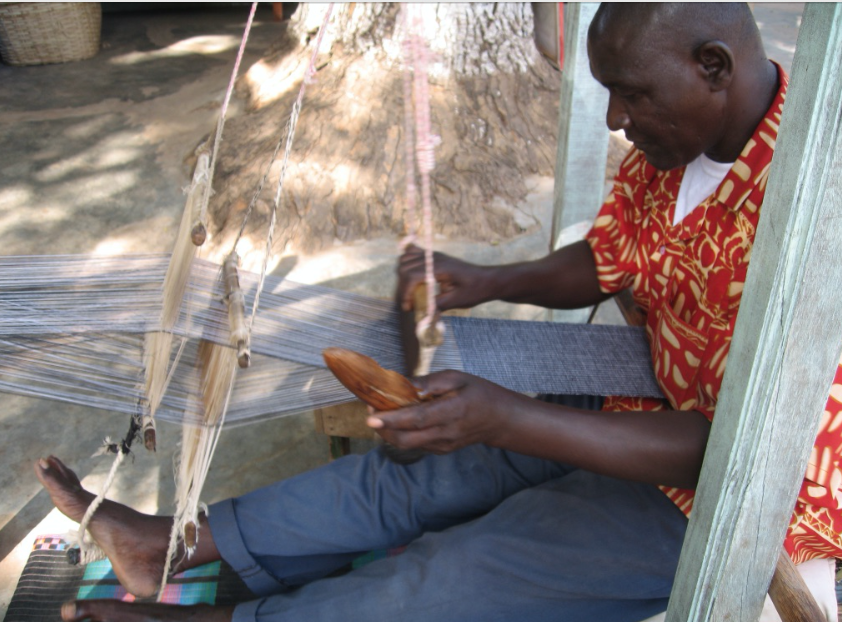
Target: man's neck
pixel 748 106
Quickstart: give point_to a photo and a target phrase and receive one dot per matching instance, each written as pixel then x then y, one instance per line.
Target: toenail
pixel 43 464
pixel 68 610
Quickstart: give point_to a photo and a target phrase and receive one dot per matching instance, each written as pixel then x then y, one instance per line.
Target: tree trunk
pixel 494 103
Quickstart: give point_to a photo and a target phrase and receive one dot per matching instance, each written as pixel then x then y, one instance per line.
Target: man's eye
pixel 627 94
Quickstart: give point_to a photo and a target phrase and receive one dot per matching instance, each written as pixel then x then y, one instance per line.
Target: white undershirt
pixel 701 178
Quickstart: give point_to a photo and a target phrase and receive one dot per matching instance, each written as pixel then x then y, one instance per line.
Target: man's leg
pixel 352 505
pixel 581 547
pixel 306 527
pixel 135 543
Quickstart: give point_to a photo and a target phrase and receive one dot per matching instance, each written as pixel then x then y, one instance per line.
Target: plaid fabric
pixel 48 580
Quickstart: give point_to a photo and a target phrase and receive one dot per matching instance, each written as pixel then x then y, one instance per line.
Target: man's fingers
pixel 429 439
pixel 408 300
pixel 403 419
pixel 439 384
pixel 425 415
pixel 418 417
pixel 410 275
pixel 411 249
pixel 73 611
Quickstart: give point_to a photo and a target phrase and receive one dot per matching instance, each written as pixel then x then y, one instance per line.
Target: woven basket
pixel 38 33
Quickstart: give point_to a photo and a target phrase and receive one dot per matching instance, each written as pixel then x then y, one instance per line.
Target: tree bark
pixel 494 103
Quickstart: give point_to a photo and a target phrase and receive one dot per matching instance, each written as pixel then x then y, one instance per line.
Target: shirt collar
pixel 752 167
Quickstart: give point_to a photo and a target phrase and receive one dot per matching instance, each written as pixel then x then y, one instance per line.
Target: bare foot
pixel 118 611
pixel 135 543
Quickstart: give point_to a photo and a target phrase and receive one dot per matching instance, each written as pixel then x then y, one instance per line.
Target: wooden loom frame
pixel 789 329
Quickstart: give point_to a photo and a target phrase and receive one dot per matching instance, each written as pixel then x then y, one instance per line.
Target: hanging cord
pixel 411 218
pixel 293 121
pixel 430 332
pixel 188 504
pixel 189 487
pixel 158 345
pixel 221 124
pixel 88 550
pixel 241 335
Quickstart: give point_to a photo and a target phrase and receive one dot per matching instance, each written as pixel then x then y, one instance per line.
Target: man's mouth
pixel 639 144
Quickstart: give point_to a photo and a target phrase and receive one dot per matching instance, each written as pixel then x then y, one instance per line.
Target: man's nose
pixel 617 118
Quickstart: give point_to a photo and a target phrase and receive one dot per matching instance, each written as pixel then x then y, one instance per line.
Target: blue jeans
pixel 491 534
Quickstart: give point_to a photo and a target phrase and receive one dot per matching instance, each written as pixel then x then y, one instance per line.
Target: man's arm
pixel 662 447
pixel 564 279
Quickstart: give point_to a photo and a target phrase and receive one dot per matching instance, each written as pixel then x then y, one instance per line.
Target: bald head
pixel 687 25
pixel 684 78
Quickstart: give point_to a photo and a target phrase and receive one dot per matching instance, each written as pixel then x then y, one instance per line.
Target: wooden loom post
pixel 786 345
pixel 582 141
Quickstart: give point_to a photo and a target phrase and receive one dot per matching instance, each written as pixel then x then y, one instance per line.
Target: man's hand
pixel 564 279
pixel 659 447
pixel 465 410
pixel 462 285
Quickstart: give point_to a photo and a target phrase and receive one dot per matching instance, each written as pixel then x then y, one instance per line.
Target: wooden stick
pixel 413 343
pixel 409 340
pixel 236 310
pixel 790 595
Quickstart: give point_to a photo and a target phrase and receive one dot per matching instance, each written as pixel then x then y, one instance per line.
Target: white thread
pixel 293 122
pixel 84 543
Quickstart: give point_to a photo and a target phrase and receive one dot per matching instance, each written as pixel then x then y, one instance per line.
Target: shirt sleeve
pixel 614 236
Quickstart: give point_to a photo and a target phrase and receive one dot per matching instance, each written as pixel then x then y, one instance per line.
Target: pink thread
pixel 408 130
pixel 425 143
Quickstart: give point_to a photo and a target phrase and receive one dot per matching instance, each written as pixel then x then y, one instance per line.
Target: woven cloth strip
pixel 547 357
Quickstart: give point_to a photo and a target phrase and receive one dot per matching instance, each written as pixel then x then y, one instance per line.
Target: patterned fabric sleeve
pixel 816 523
pixel 613 238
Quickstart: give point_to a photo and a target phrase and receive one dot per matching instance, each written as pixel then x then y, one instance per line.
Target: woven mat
pixel 48 580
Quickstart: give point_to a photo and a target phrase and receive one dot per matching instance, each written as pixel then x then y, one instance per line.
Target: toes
pixel 93 611
pixel 70 612
pixel 42 468
pixel 54 470
pixel 57 465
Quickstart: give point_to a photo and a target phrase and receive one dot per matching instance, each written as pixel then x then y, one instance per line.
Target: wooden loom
pixel 702 593
pixel 165 343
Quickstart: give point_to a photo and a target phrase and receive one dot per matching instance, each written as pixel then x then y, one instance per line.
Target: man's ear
pixel 715 63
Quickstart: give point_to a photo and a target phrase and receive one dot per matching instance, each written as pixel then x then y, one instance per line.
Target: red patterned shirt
pixel 689 279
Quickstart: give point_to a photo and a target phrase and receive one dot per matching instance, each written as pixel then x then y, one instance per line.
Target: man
pixel 532 510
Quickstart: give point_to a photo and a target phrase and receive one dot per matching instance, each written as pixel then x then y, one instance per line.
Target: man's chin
pixel 661 162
